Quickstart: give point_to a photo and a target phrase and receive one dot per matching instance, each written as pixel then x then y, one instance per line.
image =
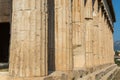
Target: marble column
pixel 28 52
pixel 105 40
pixel 109 46
pixel 78 34
pixel 109 53
pixel 89 33
pixel 89 9
pixel 100 34
pixel 63 35
pixel 96 34
pixel 112 45
pixel 102 43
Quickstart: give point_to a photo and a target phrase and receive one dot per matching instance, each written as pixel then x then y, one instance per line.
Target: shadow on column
pixel 51 37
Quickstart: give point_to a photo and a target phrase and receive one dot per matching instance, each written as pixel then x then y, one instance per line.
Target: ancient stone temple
pixel 57 39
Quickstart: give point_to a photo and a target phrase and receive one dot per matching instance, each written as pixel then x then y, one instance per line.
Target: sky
pixel 116 5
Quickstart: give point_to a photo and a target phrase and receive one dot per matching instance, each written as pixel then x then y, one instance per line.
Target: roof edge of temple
pixel 111 10
pixel 108 6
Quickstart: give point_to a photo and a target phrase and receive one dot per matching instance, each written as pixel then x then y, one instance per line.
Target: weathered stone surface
pixel 58 39
pixel 29 39
pixel 78 39
pixel 4 75
pixel 63 35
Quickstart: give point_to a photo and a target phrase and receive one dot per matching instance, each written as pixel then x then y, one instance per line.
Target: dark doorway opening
pixel 4 42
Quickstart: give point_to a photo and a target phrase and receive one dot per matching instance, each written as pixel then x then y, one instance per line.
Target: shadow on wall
pixel 51 36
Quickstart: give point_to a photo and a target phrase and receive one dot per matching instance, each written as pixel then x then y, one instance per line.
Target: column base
pixel 5 76
pixel 70 75
pixel 30 78
pixel 57 75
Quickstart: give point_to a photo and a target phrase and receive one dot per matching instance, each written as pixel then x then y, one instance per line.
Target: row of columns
pixel 99 40
pixel 78 32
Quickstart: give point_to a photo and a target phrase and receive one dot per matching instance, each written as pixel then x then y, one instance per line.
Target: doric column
pixel 109 53
pixel 28 52
pixel 96 34
pixel 89 9
pixel 89 34
pixel 112 46
pixel 101 28
pixel 100 34
pixel 109 46
pixel 106 44
pixel 105 40
pixel 63 36
pixel 78 34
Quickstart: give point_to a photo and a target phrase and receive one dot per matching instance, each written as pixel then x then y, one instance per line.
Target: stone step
pixel 109 74
pixel 4 76
pixel 100 74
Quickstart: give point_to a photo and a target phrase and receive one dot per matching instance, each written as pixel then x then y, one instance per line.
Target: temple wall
pixel 59 39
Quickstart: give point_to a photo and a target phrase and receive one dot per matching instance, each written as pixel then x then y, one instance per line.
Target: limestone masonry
pixel 59 39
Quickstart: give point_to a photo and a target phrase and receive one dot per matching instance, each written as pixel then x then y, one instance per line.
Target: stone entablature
pixel 109 11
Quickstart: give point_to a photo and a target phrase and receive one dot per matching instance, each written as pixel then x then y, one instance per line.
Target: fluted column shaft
pixel 103 39
pixel 89 33
pixel 78 34
pixel 112 46
pixel 100 35
pixel 96 34
pixel 63 35
pixel 89 9
pixel 28 53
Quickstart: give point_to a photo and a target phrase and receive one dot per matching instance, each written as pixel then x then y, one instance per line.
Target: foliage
pixel 117 62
